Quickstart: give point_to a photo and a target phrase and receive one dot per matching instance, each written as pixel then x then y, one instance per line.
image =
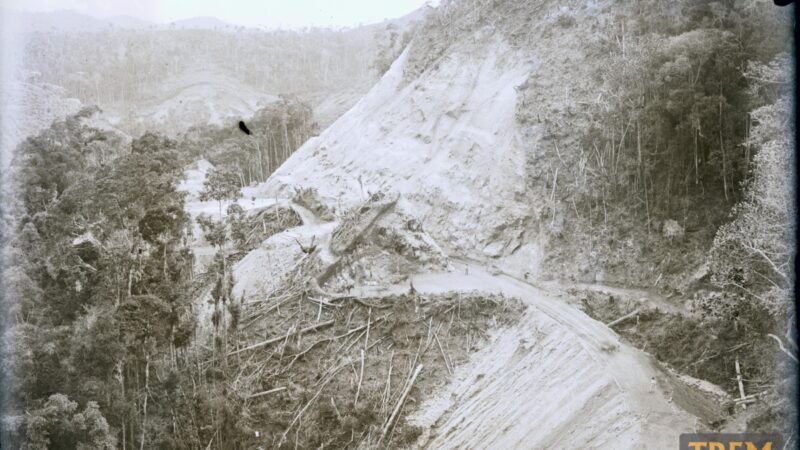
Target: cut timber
pixel 622 319
pixel 399 404
pixel 739 381
pixel 259 394
pixel 345 238
pixel 282 337
pixel 303 410
pixel 360 379
pixel 750 398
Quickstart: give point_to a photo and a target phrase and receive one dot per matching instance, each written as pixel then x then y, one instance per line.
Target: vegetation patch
pixel 341 375
pixel 706 347
pixel 250 229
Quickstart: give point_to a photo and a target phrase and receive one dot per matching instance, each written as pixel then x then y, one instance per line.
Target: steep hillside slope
pixel 447 141
pixel 445 134
pixel 481 131
pixel 443 128
pixel 572 383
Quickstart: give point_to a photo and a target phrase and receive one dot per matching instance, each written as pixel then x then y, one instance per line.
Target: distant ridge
pixel 72 21
pixel 69 21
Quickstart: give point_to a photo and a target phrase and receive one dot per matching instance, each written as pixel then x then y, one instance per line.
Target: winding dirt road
pixel 557 379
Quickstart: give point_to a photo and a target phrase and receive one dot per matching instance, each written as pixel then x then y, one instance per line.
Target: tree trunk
pixel 130 280
pixel 122 384
pixel 146 394
pixel 722 149
pixel 696 172
pixel 647 202
pixel 165 260
pixel 639 154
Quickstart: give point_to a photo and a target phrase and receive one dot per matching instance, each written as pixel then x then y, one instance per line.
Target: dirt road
pixel 558 379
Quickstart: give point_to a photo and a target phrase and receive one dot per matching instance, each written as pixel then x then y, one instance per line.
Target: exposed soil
pixel 321 396
pixel 576 383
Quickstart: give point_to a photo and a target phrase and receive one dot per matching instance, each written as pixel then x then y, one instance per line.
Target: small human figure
pixel 652 384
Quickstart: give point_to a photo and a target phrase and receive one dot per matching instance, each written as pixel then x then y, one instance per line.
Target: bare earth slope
pixel 450 144
pixel 558 379
pixel 447 141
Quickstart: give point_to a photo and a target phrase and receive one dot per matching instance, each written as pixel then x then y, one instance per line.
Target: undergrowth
pixel 706 347
pixel 336 386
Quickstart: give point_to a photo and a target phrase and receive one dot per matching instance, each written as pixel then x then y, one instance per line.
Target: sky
pixel 269 13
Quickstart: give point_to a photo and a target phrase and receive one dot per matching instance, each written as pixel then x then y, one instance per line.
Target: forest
pixel 276 131
pixel 124 66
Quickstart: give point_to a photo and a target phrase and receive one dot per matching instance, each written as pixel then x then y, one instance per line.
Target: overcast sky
pixel 270 13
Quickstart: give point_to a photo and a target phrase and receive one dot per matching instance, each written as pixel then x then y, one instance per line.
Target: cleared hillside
pixel 548 225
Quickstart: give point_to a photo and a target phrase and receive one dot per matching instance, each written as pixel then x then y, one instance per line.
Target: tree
pixel 57 424
pixel 98 252
pixel 221 185
pixel 752 254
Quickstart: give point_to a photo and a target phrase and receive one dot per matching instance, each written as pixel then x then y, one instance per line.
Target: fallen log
pixel 622 319
pixel 322 302
pixel 303 410
pixel 751 397
pixel 783 349
pixel 282 337
pixel 259 394
pixel 399 405
pixel 742 395
pixel 361 302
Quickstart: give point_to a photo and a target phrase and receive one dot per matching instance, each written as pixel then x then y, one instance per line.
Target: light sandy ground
pixel 450 144
pixel 258 273
pixel 261 270
pixel 557 379
pixel 447 141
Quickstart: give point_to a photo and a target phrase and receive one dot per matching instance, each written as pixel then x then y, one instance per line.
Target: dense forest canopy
pixel 99 282
pixel 98 286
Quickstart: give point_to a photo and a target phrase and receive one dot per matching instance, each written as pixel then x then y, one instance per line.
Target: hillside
pixel 546 225
pixel 29 107
pixel 195 98
pixel 489 145
pixel 67 21
pixel 209 71
pixel 450 143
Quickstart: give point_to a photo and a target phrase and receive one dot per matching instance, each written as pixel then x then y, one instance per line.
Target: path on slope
pixel 556 379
